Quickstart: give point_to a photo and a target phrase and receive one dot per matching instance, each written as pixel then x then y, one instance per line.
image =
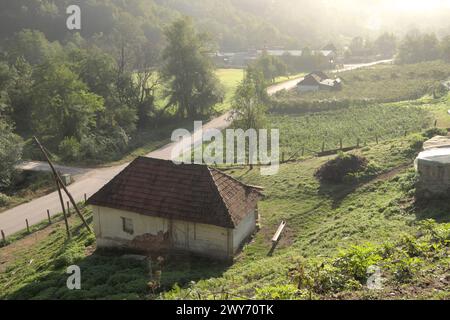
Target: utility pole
pixel 60 183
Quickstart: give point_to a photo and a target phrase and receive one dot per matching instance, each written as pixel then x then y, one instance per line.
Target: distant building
pixel 330 47
pixel 318 80
pixel 155 205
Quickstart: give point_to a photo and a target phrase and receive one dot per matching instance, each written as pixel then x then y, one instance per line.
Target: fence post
pixel 3 237
pixel 28 225
pixel 340 143
pixel 85 199
pixel 48 216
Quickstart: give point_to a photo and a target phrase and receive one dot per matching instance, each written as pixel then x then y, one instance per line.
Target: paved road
pixel 89 181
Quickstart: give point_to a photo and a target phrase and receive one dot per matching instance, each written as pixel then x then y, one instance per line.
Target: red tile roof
pixel 187 192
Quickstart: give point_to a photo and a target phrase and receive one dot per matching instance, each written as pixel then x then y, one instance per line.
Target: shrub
pixel 416 142
pixel 337 169
pixel 430 133
pixel 280 292
pixel 69 149
pixel 4 200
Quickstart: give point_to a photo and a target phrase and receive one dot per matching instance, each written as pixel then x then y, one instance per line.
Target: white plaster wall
pixel 244 230
pixel 194 237
pixel 108 224
pixel 208 238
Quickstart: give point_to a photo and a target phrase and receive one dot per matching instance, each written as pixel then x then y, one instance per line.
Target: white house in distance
pixel 157 206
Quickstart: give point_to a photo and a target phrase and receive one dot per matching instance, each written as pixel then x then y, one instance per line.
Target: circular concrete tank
pixel 433 167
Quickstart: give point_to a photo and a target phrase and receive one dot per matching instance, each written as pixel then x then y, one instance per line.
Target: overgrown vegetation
pixel 25 186
pixel 336 170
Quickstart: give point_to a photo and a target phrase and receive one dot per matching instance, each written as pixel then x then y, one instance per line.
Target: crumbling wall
pixel 150 243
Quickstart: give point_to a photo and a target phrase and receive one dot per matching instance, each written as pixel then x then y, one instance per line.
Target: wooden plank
pixel 277 235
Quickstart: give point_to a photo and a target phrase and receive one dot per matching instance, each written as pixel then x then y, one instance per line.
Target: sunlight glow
pixel 419 5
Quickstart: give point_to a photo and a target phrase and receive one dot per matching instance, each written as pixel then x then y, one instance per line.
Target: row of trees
pixel 385 46
pixel 418 47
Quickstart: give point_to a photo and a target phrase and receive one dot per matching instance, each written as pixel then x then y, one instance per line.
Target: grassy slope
pixel 321 220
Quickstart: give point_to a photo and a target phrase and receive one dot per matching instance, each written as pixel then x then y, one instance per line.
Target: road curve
pixel 89 181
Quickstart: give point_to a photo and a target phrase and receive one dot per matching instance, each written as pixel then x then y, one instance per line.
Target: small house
pixel 157 205
pixel 318 80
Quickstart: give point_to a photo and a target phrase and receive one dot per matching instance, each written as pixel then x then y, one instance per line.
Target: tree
pixel 10 153
pixel 249 104
pixel 62 105
pixel 33 46
pixel 271 67
pixel 386 44
pixel 418 47
pixel 445 48
pixel 193 87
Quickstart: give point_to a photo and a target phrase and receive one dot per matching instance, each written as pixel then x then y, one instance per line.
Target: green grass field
pixel 230 79
pixel 321 220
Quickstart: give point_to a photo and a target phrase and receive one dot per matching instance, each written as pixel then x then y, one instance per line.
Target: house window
pixel 127 225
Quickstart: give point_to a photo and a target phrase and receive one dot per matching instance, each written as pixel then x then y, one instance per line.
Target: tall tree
pixel 193 86
pixel 386 44
pixel 249 102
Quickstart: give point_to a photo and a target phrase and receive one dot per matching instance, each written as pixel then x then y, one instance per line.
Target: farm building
pixel 156 205
pixel 318 80
pixel 433 167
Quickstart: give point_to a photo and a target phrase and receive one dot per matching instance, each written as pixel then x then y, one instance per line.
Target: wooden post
pixel 28 225
pixel 48 216
pixel 85 198
pixel 58 178
pixel 66 222
pixel 323 146
pixel 340 143
pixel 3 237
pixel 357 143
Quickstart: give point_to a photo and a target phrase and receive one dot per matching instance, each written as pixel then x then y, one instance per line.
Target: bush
pixel 69 149
pixel 4 200
pixel 337 169
pixel 280 292
pixel 430 133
